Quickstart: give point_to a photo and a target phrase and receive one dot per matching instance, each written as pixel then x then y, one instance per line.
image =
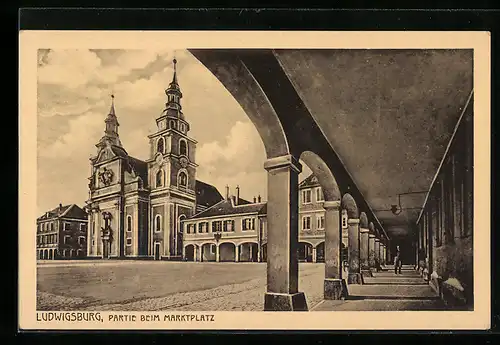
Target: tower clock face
pixel 159 159
pixel 184 162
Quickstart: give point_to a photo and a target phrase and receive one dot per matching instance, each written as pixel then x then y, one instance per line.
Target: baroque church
pixel 135 208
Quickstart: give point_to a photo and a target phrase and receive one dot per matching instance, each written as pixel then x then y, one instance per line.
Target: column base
pixel 285 302
pixel 335 289
pixel 355 278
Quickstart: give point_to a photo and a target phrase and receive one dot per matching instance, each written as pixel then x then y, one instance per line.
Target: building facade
pixel 235 229
pixel 136 207
pixel 62 233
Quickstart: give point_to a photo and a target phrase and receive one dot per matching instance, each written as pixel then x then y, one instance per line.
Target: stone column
pixel 353 248
pixel 377 250
pixel 334 287
pixel 217 256
pixel 183 252
pixel 385 254
pixel 382 251
pixel 371 250
pixel 363 246
pixel 236 253
pixel 314 253
pixel 282 236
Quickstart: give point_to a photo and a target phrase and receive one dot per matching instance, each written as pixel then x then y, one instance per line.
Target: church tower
pixel 172 176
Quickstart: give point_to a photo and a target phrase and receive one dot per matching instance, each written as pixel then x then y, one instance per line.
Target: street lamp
pixel 217 237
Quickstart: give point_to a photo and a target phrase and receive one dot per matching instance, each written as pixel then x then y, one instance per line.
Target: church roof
pixel 226 207
pixel 140 167
pixel 310 181
pixel 67 211
pixel 206 194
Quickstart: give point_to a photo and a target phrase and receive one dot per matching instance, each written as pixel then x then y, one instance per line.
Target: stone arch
pixel 324 175
pixel 248 251
pixel 183 147
pixel 304 251
pixel 363 220
pixel 349 204
pixel 206 253
pixel 189 252
pixel 182 178
pixel 227 251
pixel 238 80
pixel 371 227
pixel 320 252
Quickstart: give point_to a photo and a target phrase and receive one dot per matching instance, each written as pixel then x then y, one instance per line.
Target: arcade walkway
pixel 387 291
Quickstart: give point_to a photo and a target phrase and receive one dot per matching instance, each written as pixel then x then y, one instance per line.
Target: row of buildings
pixel 157 209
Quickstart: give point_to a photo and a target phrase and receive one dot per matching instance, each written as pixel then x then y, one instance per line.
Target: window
pixel 306 196
pixel 216 226
pixel 228 225
pixel 248 224
pixel 183 127
pixel 320 222
pixel 159 178
pixel 172 124
pixel 344 218
pixel 212 248
pixel 93 243
pixel 160 145
pixel 67 239
pixel 82 227
pixel 319 194
pixel 203 227
pixel 129 223
pixel 182 147
pixel 129 241
pixel 81 240
pixel 93 227
pixel 67 226
pixel 51 226
pixel 158 223
pixel 182 179
pixel 306 223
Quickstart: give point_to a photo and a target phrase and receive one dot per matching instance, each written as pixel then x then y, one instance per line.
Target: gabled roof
pixel 310 181
pixel 226 207
pixel 206 194
pixel 68 211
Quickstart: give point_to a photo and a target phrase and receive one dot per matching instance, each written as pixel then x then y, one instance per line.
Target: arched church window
pixel 129 223
pixel 159 178
pixel 172 124
pixel 158 223
pixel 160 145
pixel 183 147
pixel 182 179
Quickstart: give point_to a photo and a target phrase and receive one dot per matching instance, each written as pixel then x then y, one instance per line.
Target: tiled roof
pixel 310 181
pixel 206 194
pixel 69 211
pixel 140 167
pixel 226 208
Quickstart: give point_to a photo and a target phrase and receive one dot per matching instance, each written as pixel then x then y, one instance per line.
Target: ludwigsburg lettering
pixel 69 316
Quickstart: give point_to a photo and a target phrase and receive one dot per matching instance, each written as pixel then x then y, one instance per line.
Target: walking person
pixel 397 261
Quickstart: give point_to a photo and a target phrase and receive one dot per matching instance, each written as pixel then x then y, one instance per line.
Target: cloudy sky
pixel 74 88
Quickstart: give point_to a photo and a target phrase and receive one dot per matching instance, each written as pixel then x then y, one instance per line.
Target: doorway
pixel 157 251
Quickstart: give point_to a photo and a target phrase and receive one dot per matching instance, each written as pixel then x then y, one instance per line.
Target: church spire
pixel 174 95
pixel 111 129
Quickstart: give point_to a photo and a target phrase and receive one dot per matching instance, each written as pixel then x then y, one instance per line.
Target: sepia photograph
pixel 180 181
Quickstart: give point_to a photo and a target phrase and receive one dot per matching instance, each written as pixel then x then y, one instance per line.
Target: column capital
pixel 353 221
pixel 371 235
pixel 331 204
pixel 364 230
pixel 283 161
pixel 377 239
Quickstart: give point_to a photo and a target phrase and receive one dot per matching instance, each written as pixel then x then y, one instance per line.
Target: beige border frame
pixel 30 41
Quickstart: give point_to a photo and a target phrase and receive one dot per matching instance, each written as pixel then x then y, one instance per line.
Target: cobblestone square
pixel 152 285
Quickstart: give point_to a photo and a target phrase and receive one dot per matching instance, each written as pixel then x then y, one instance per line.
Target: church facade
pixel 136 207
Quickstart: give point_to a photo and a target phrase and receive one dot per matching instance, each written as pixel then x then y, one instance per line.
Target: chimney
pixel 60 207
pixel 237 195
pixel 254 200
pixel 259 198
pixel 227 192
